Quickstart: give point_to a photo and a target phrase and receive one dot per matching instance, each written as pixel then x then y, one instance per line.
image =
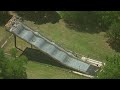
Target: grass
pixel 85 44
pixel 2 32
pixel 3 35
pixel 37 70
pixel 41 70
pixel 20 44
pixel 44 71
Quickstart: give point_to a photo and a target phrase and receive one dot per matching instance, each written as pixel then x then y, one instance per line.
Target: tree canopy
pixel 114 36
pixel 90 19
pixel 111 70
pixel 13 67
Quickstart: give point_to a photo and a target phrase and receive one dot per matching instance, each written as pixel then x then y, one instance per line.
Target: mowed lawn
pixel 85 44
pixel 37 70
pixel 3 35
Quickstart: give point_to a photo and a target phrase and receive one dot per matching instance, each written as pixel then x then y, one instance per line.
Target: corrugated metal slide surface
pixel 51 49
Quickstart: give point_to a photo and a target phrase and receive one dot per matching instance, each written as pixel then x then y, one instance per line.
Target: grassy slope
pixel 44 71
pixel 92 45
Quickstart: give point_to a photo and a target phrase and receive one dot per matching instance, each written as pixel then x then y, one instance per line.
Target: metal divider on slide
pixel 49 48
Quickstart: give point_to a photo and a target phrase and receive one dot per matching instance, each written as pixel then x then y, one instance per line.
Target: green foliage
pixel 13 67
pixel 114 31
pixel 106 18
pixel 114 36
pixel 80 17
pixel 112 68
pixel 86 21
pixel 90 20
pixel 13 52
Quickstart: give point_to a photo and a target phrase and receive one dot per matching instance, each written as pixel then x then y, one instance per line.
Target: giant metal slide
pixel 49 48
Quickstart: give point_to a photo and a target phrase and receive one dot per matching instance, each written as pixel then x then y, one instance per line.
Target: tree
pixel 90 19
pixel 111 70
pixel 106 18
pixel 114 36
pixel 13 67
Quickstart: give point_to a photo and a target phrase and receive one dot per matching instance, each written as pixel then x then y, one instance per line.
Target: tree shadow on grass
pixel 38 56
pixel 114 45
pixel 40 17
pixel 84 21
pixel 4 17
pixel 86 28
